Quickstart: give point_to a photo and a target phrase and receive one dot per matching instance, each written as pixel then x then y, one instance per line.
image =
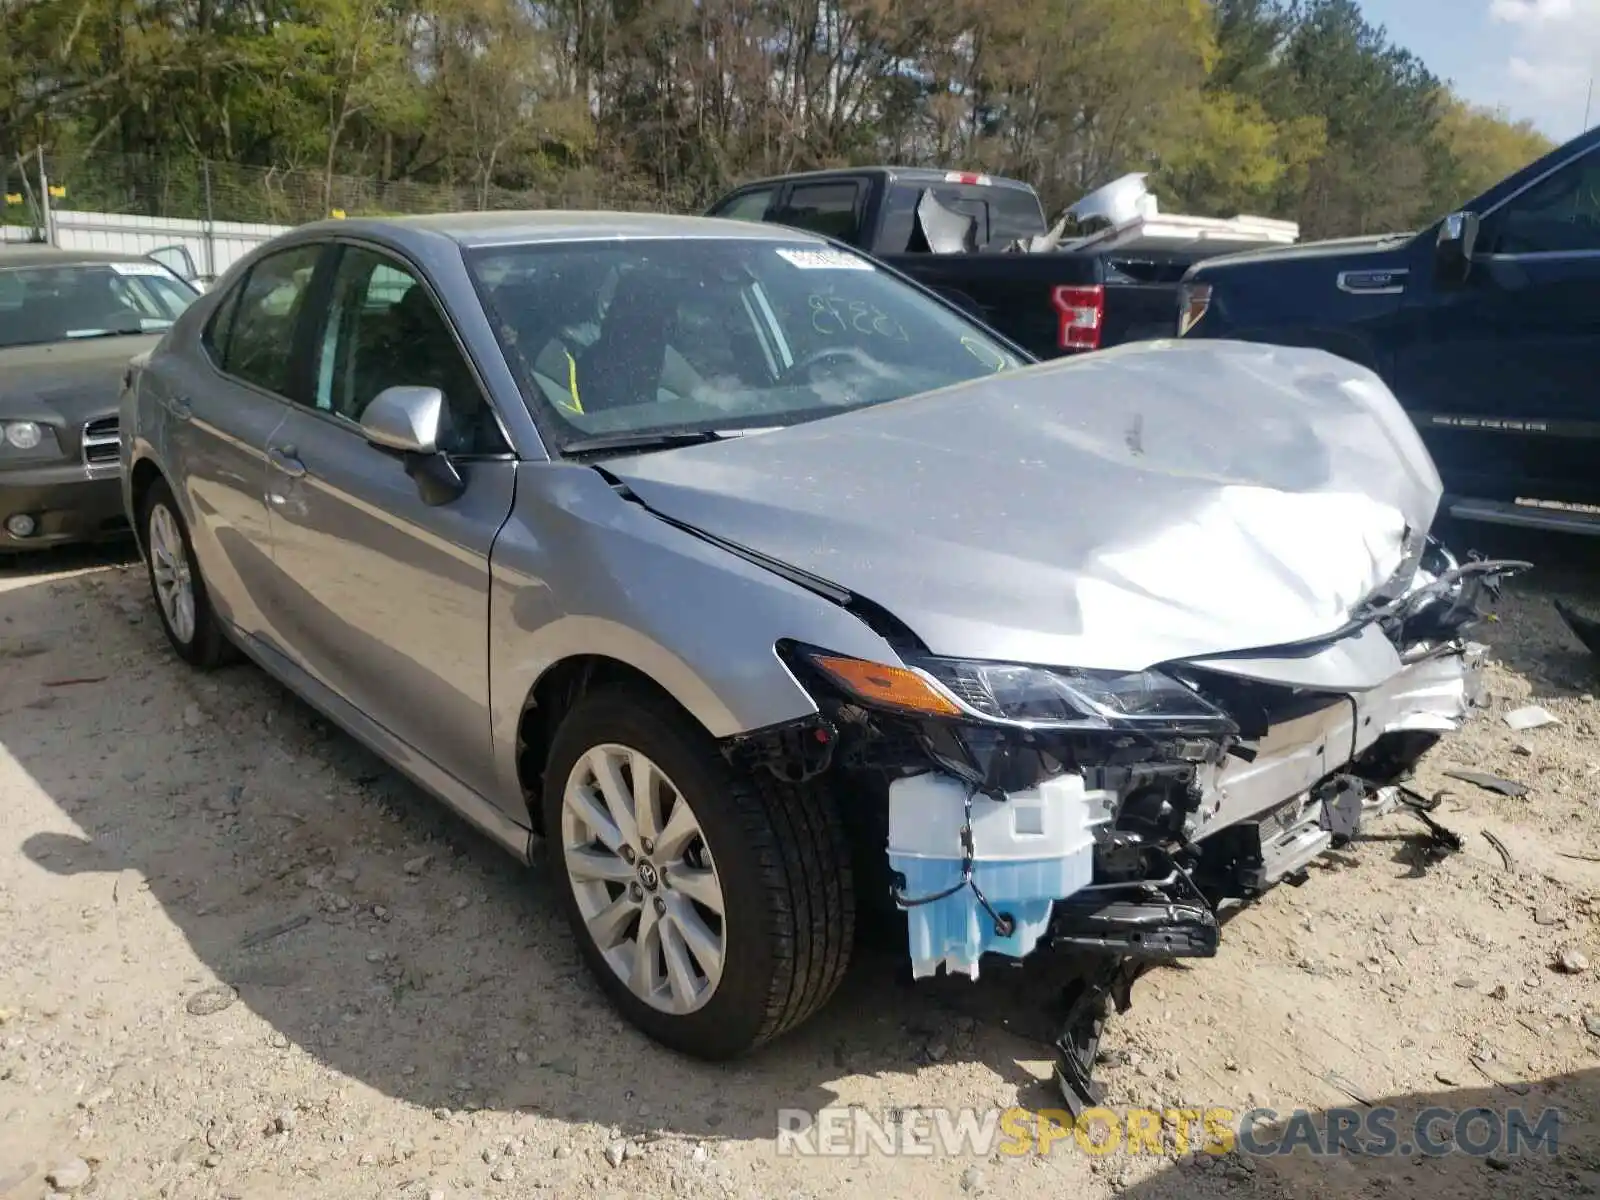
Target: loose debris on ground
pixel 245 960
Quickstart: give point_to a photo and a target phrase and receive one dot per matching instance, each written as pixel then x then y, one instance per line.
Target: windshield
pixel 57 303
pixel 662 336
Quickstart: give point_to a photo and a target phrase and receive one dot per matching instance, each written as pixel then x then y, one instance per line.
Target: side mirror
pixel 405 419
pixel 1452 255
pixel 408 421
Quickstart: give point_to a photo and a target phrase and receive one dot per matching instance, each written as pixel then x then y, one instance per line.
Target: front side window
pixel 384 330
pixel 41 304
pixel 1559 215
pixel 646 336
pixel 260 342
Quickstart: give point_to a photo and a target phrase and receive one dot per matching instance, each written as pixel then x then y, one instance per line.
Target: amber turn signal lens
pixel 890 687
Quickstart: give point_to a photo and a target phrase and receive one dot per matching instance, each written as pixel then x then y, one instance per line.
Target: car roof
pixel 37 254
pixel 914 175
pixel 471 229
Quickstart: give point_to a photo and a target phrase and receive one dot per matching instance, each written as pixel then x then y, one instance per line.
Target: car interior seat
pixel 624 365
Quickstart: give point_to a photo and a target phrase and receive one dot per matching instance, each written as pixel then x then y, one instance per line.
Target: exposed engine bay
pixel 1109 818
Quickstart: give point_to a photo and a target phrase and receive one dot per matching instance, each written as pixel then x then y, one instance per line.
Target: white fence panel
pixel 215 246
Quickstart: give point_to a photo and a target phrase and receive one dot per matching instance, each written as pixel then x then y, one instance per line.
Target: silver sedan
pixel 761 590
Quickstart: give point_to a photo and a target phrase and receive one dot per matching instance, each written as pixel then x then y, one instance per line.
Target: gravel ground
pixel 242 959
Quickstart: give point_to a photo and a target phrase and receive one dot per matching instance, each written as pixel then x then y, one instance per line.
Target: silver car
pixel 763 592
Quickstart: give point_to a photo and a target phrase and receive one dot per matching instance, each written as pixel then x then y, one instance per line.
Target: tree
pixel 1295 108
pixel 1482 148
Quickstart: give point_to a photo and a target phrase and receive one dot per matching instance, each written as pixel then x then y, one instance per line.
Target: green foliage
pixel 1481 149
pixel 1295 108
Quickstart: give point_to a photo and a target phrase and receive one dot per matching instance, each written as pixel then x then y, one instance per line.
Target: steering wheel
pixel 829 354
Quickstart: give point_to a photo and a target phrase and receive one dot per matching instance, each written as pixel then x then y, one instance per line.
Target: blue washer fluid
pixel 1029 851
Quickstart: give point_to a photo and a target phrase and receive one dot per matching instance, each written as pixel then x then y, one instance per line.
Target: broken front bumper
pixel 1279 788
pixel 1259 813
pixel 980 875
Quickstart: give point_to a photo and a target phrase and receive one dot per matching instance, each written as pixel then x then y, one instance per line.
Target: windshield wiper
pixel 668 440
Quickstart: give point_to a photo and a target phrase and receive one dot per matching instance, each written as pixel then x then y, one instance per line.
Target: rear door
pixel 1503 376
pixel 390 595
pixel 221 409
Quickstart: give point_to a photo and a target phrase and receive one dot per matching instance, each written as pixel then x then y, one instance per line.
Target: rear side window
pixel 825 208
pixel 261 333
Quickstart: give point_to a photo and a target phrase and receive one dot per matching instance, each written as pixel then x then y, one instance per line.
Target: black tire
pixel 782 862
pixel 209 646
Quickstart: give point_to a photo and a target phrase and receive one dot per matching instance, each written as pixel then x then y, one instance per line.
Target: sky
pixel 1531 59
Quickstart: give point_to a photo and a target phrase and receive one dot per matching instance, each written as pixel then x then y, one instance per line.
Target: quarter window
pixel 260 341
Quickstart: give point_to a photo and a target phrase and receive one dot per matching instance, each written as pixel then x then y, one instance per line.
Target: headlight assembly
pixel 1028 696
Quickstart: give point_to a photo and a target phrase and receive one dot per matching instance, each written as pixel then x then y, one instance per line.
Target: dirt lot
pixel 242 959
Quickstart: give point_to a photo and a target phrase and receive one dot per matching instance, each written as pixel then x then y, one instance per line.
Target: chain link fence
pixel 198 190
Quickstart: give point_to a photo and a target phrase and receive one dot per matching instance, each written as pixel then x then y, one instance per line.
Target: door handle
pixel 181 407
pixel 283 458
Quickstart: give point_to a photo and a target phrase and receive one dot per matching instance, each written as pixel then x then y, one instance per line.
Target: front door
pixel 390 595
pixel 1503 377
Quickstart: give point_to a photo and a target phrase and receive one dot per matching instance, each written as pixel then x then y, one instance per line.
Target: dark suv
pixel 1486 324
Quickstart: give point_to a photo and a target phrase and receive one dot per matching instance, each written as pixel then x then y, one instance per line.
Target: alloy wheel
pixel 169 568
pixel 644 879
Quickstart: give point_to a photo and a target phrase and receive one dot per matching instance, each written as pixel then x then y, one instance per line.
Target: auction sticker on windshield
pixel 824 260
pixel 139 268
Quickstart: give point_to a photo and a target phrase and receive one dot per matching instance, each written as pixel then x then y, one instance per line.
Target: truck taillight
pixel 970 177
pixel 1193 301
pixel 1080 312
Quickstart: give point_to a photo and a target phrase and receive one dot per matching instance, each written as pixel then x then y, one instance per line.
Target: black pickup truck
pixel 950 230
pixel 1486 325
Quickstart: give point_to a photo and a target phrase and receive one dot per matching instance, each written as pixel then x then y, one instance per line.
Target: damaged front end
pixel 1107 817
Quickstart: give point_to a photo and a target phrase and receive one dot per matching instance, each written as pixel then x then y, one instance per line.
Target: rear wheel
pixel 180 593
pixel 715 908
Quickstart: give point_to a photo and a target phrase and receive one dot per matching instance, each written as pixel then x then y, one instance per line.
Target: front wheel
pixel 715 908
pixel 187 618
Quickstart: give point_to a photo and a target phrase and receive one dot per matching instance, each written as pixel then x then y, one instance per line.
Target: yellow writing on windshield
pixel 987 355
pixel 835 314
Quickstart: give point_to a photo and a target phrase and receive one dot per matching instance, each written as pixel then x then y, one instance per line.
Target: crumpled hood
pixel 1156 502
pixel 66 382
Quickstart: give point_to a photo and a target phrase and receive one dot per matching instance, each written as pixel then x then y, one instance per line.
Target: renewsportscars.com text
pixel 1256 1132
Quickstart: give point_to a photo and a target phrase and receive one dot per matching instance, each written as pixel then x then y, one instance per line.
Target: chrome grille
pixel 100 442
